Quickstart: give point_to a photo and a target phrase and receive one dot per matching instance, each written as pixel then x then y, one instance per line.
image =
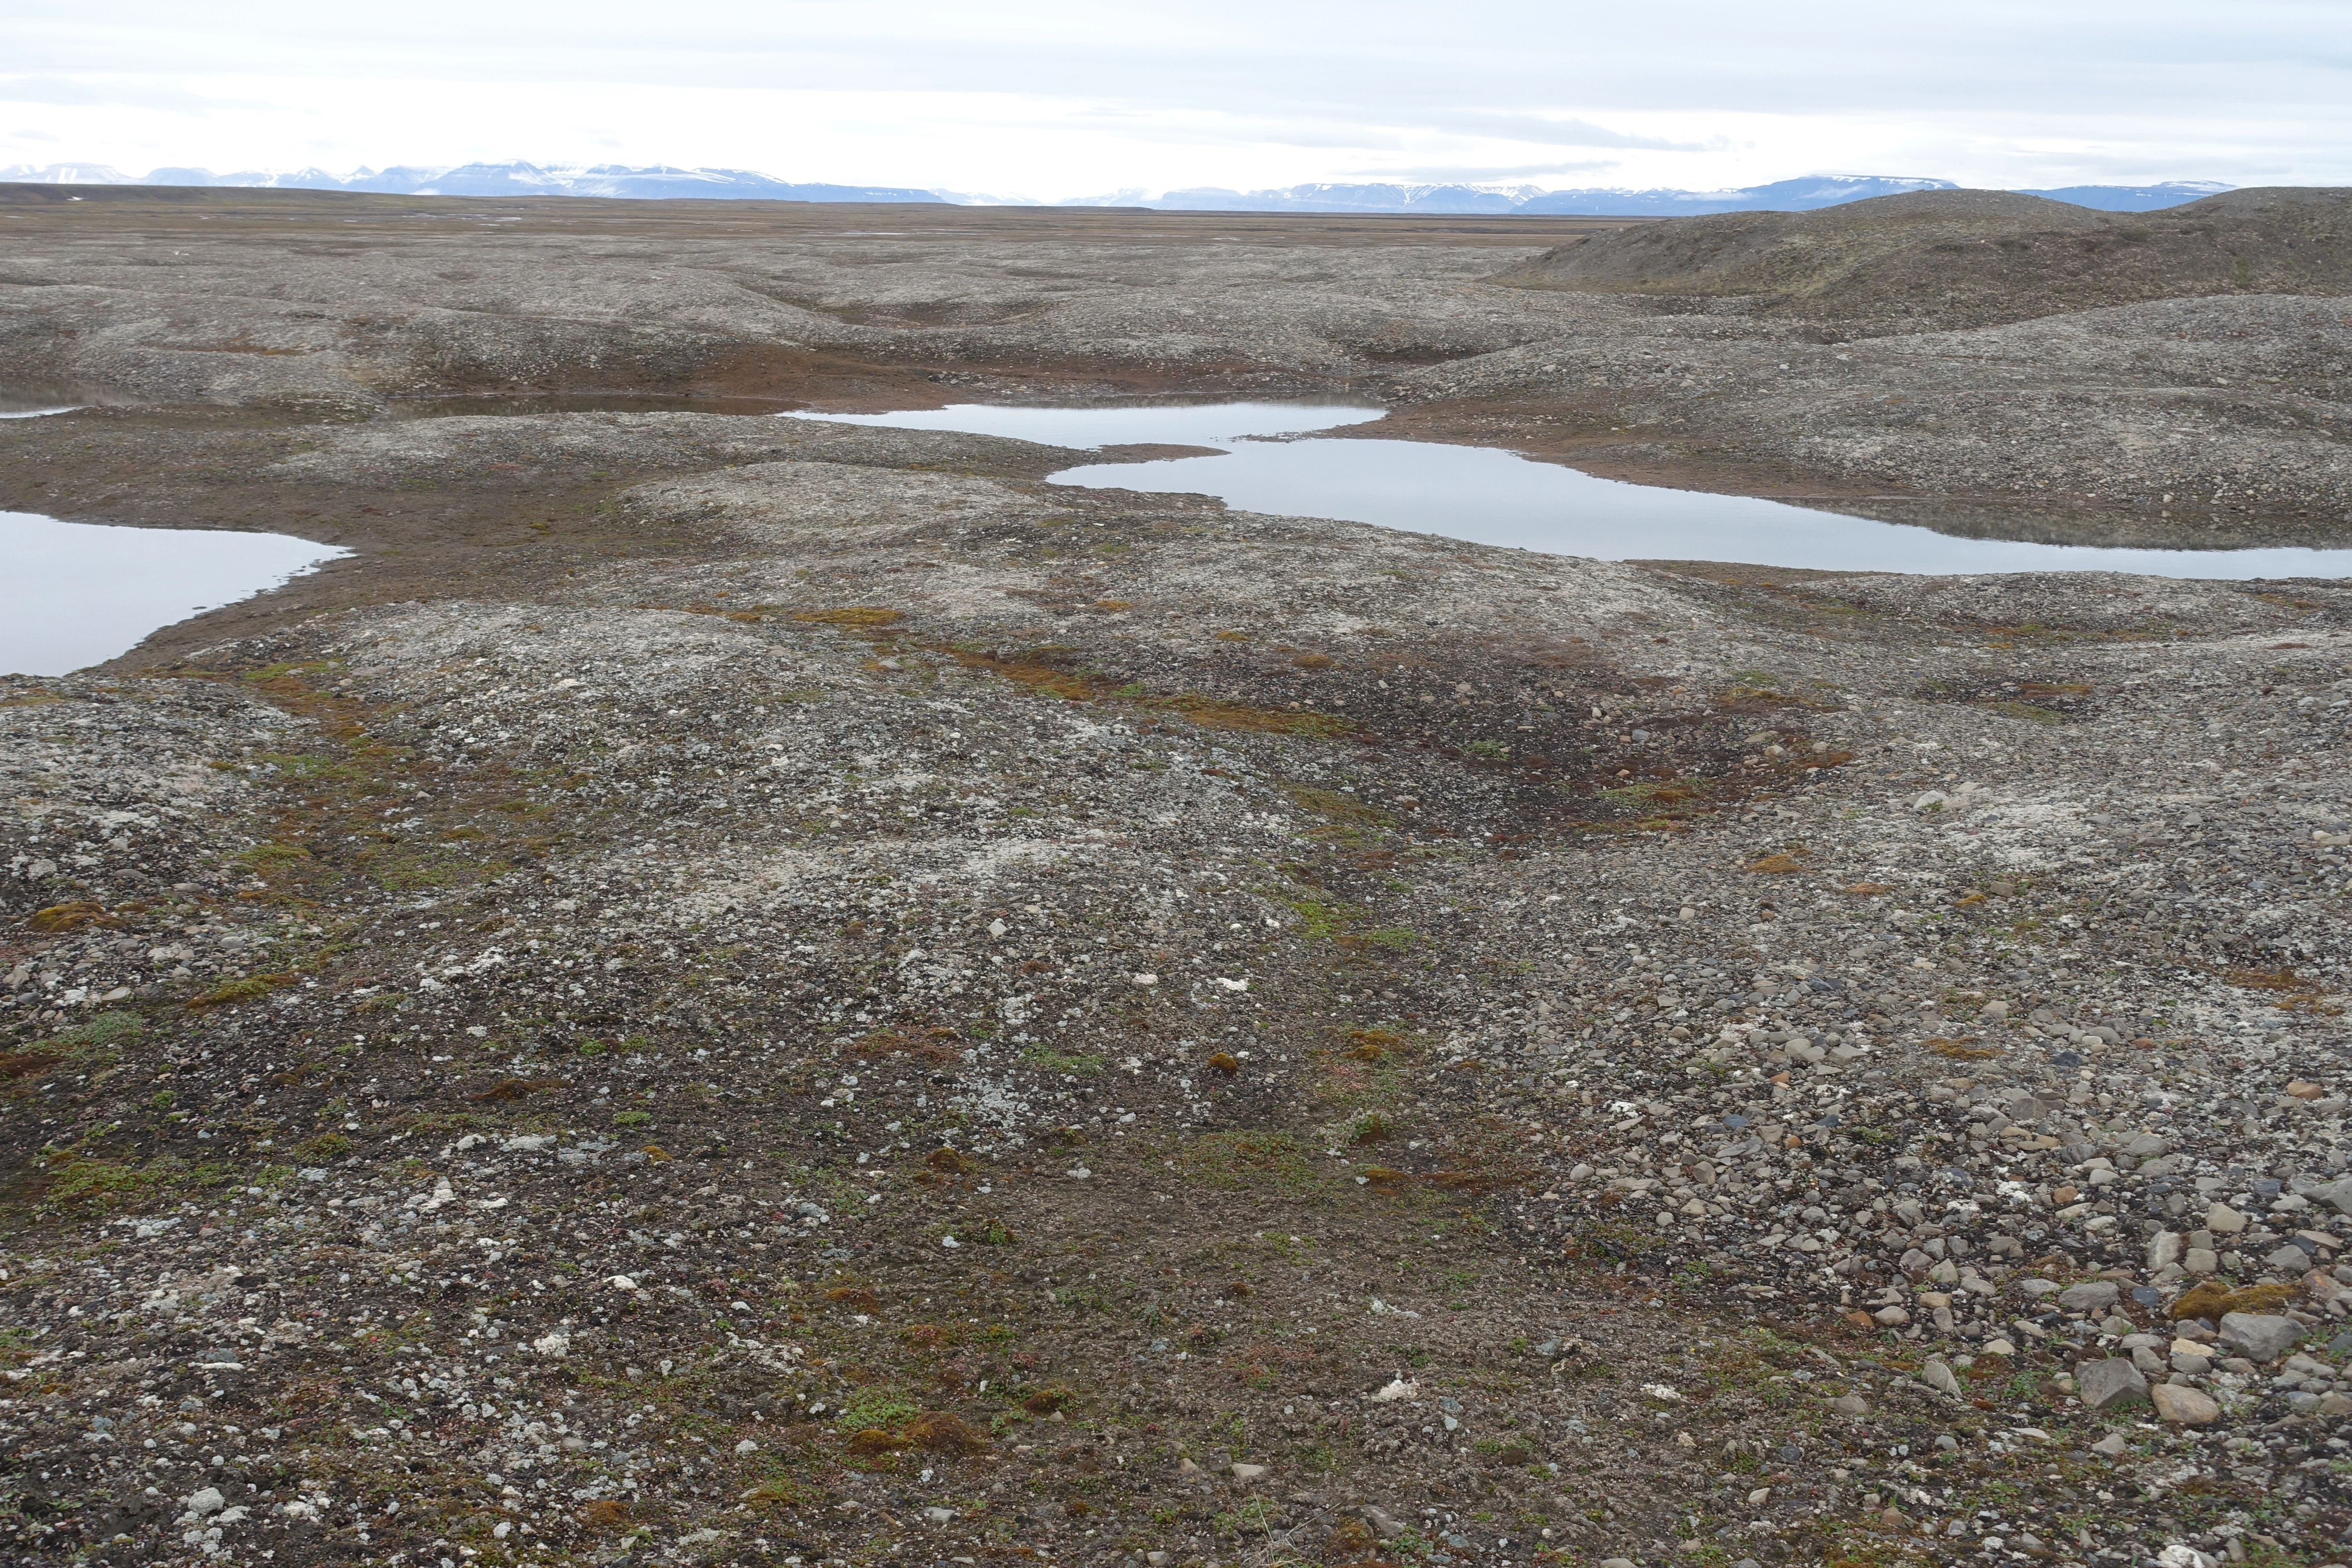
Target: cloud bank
pixel 1058 99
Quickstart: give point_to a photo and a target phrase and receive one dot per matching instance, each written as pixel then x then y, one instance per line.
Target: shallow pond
pixel 34 400
pixel 1164 424
pixel 1494 497
pixel 75 594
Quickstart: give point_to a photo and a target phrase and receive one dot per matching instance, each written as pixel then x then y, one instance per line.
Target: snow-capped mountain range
pixel 517 179
pixel 663 183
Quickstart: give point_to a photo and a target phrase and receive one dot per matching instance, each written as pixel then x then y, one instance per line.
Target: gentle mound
pixel 1934 259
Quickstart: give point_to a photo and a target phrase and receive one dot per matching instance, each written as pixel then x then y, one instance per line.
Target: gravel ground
pixel 838 1004
pixel 2218 418
pixel 1942 259
pixel 527 1061
pixel 2226 417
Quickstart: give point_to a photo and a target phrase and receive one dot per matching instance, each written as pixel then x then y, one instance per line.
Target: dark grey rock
pixel 2260 1336
pixel 2093 1297
pixel 2110 1384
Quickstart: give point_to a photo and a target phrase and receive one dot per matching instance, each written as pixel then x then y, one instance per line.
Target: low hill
pixel 1936 259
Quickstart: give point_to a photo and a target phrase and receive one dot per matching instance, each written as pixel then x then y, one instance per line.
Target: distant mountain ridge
pixel 663 183
pixel 1785 196
pixel 2135 198
pixel 1806 194
pixel 518 179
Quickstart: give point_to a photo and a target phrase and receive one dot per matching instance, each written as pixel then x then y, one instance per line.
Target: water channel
pixel 1495 497
pixel 74 594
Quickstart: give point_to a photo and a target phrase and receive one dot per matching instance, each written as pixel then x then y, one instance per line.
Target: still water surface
pixel 1494 497
pixel 1164 424
pixel 74 594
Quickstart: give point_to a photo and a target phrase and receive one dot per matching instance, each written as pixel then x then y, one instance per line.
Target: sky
pixel 1055 100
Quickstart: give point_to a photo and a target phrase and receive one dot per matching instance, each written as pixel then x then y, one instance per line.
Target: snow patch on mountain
pixel 516 179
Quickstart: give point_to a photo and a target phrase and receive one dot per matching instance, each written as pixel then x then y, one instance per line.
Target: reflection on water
pixel 1163 423
pixel 33 399
pixel 1495 497
pixel 76 594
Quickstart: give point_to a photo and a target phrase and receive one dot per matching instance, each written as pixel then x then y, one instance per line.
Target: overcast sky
pixel 1054 99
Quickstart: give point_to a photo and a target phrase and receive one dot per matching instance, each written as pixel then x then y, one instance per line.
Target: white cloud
pixel 1472 172
pixel 111 92
pixel 1548 131
pixel 1064 98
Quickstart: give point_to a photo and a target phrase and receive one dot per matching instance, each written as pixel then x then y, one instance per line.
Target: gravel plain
pixel 733 992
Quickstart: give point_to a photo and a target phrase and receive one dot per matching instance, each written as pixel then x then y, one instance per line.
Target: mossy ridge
pixel 95 1042
pixel 1256 1161
pixel 328 824
pixel 79 1188
pixel 1346 818
pixel 1053 670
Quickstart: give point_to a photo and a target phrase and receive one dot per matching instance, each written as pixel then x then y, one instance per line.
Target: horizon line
pixel 1526 191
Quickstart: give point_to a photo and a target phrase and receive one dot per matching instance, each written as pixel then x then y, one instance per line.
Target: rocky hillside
pixel 1938 259
pixel 890 1009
